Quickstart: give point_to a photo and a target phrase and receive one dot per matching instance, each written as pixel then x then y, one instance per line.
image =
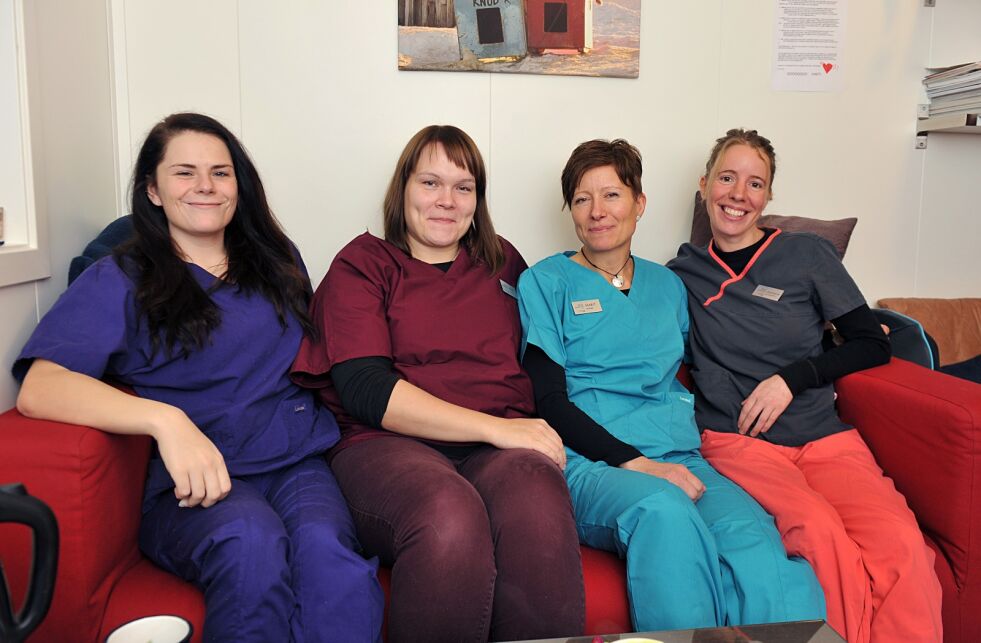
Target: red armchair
pixel 924 427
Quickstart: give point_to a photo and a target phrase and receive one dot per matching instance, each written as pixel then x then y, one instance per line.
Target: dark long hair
pixel 480 240
pixel 261 259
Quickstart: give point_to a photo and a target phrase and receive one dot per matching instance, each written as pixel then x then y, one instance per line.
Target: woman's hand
pixel 676 474
pixel 413 411
pixel 529 433
pixel 52 392
pixel 769 399
pixel 192 460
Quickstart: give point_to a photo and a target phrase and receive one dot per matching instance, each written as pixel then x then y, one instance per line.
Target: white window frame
pixel 27 258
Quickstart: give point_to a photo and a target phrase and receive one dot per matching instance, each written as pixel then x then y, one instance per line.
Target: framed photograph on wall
pixel 564 37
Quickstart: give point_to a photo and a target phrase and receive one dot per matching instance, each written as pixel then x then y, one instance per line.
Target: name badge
pixel 587 306
pixel 773 294
pixel 509 289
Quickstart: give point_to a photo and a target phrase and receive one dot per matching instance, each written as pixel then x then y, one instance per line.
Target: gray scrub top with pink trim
pixel 746 327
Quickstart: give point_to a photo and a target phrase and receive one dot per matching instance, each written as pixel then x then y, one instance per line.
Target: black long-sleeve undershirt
pixel 365 384
pixel 577 430
pixel 865 344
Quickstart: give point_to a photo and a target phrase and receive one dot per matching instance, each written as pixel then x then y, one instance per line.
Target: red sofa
pixel 924 427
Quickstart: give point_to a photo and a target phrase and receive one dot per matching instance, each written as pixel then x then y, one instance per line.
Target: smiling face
pixel 440 200
pixel 605 211
pixel 735 193
pixel 196 187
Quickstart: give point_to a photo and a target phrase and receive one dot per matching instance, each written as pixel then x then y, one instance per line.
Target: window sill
pixel 21 263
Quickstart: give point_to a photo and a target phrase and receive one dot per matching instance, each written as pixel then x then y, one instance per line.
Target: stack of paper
pixel 955 90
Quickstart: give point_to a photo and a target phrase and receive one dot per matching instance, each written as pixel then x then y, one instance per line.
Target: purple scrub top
pixel 236 389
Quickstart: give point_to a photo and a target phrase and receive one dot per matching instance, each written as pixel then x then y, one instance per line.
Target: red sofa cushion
pixel 924 428
pixel 93 481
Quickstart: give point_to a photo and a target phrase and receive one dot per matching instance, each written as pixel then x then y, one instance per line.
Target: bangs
pixel 459 148
pixel 459 152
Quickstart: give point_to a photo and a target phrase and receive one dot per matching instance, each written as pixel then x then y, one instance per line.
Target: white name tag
pixel 509 289
pixel 773 294
pixel 586 306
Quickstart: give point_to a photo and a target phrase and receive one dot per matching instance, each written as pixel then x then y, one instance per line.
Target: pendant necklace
pixel 617 277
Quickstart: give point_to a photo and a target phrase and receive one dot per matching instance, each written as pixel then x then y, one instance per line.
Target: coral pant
pixel 834 507
pixel 276 559
pixel 481 546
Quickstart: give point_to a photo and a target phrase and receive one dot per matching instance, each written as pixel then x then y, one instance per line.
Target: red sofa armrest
pixel 93 481
pixel 924 428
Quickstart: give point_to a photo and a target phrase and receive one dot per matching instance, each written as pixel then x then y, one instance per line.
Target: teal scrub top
pixel 620 353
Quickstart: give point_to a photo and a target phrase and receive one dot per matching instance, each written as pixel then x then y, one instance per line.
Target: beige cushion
pixel 955 324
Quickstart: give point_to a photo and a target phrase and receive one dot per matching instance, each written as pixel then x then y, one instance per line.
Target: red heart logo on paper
pixel 827 67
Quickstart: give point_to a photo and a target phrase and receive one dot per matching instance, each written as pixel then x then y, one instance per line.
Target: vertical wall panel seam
pixel 238 47
pixel 119 100
pixel 918 241
pixel 490 137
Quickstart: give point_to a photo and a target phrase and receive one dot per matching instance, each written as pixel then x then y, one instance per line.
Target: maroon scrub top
pixel 455 335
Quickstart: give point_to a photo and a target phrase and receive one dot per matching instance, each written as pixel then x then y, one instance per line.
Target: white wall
pixel 12 171
pixel 950 214
pixel 313 89
pixel 72 141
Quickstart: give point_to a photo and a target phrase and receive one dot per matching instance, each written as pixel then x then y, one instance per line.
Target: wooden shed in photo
pixel 491 28
pixel 426 13
pixel 559 24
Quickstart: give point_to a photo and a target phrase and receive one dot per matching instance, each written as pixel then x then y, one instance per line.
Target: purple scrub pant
pixel 481 546
pixel 276 559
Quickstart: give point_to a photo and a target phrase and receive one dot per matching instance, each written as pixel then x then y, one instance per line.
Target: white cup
pixel 152 629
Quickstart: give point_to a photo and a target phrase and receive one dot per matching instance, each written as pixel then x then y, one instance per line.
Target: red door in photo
pixel 556 24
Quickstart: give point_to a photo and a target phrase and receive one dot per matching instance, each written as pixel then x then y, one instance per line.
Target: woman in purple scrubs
pixel 202 313
pixel 451 479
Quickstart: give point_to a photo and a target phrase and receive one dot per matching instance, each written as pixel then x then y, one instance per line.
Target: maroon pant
pixel 481 546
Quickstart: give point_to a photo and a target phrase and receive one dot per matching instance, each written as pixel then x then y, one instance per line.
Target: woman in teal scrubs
pixel 604 333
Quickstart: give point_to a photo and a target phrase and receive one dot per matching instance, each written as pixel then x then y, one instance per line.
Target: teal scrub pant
pixel 716 562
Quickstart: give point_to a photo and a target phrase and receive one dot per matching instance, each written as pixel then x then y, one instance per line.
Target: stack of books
pixel 955 96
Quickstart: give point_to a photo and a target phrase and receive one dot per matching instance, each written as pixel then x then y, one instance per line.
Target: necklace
pixel 617 277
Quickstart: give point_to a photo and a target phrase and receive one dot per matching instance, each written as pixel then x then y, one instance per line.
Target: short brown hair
pixel 624 157
pixel 480 240
pixel 750 138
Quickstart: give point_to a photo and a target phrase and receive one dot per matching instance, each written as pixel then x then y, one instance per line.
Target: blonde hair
pixel 750 138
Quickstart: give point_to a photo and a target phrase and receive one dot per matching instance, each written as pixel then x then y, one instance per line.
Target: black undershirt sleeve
pixel 865 346
pixel 365 385
pixel 577 430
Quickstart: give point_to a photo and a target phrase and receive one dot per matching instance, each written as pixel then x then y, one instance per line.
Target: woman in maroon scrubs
pixel 451 479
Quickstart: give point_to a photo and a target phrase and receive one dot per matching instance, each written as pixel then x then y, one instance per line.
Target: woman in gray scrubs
pixel 758 299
